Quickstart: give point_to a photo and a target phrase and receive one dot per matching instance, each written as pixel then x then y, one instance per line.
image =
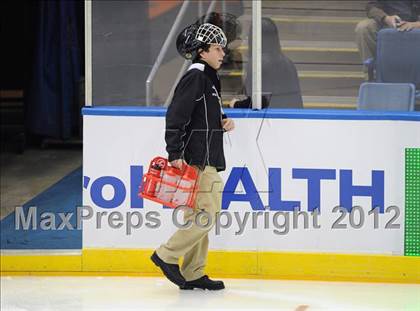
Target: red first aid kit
pixel 168 185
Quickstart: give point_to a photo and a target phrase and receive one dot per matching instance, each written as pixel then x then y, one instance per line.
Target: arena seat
pixel 386 96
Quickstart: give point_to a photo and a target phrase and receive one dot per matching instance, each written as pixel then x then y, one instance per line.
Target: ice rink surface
pixel 147 293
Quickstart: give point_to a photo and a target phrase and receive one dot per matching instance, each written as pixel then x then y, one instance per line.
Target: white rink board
pixel 114 143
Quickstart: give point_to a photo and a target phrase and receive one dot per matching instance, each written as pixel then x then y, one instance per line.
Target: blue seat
pixel 387 96
pixel 397 57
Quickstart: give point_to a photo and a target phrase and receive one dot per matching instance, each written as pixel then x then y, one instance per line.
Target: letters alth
pixel 250 194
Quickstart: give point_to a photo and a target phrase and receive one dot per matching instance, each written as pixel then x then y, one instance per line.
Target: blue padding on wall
pixel 260 114
pixel 62 197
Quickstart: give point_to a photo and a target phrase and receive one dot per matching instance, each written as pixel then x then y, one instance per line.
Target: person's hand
pixel 178 163
pixel 392 21
pixel 407 26
pixel 228 124
pixel 232 102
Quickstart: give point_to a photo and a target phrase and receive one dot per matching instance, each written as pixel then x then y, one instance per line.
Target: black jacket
pixel 194 119
pixel 408 10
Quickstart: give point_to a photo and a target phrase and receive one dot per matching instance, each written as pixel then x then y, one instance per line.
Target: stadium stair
pixel 318 36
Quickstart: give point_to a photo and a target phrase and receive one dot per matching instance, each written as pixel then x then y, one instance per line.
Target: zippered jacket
pixel 194 119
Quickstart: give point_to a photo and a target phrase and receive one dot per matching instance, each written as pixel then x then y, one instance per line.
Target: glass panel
pixel 313 54
pixel 232 74
pixel 127 39
pixel 310 58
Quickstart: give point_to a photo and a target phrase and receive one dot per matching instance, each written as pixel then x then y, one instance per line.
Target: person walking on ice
pixel 195 124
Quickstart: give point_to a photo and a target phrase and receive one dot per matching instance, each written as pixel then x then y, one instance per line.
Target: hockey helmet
pixel 197 35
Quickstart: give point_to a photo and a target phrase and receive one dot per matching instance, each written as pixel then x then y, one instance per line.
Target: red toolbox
pixel 168 185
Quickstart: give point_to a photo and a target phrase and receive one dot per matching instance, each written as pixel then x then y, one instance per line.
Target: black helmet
pixel 197 36
pixel 186 44
pixel 226 21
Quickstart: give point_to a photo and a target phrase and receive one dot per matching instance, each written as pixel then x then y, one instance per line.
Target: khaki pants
pixel 366 33
pixel 192 243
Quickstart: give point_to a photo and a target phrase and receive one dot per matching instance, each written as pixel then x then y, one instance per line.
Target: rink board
pixel 290 158
pixel 232 264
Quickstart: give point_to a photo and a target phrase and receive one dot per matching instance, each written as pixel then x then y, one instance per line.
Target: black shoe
pixel 171 271
pixel 204 283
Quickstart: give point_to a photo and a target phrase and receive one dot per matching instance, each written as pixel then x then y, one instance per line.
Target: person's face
pixel 214 57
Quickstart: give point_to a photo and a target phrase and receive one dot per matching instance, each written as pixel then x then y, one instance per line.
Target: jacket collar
pixel 198 66
pixel 209 72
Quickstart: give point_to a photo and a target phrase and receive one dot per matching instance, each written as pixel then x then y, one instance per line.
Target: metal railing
pixel 172 33
pixel 256 49
pixel 188 62
pixel 256 55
